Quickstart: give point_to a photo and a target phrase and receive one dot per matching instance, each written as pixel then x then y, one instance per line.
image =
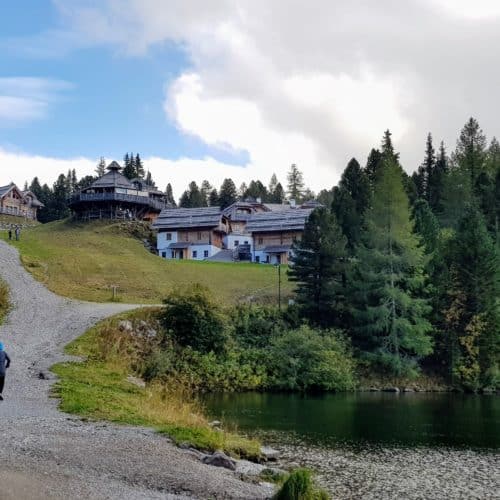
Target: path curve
pixel 48 454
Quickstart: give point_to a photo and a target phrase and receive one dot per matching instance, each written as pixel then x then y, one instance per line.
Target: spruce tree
pixel 373 165
pixel 279 194
pixel 101 167
pixel 472 315
pixel 227 193
pixel 139 167
pixel 390 323
pixel 295 180
pixel 169 195
pixel 436 181
pixel 492 163
pixel 351 199
pixel 206 188
pixel 213 199
pixel 129 166
pixel 318 267
pixel 426 225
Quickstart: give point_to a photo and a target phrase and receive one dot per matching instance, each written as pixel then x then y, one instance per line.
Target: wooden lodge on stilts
pixel 113 196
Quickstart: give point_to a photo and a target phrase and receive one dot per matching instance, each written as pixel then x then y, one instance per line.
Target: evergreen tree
pixel 213 199
pixel 325 197
pixel 436 180
pixel 139 167
pixel 256 190
pixel 390 317
pixel 295 183
pixel 185 200
pixel 101 167
pixel 470 153
pixel 149 180
pixel 472 315
pixel 388 151
pixel 426 225
pixel 169 195
pixel 493 157
pixel 279 194
pixel 318 266
pixel 206 189
pixel 272 187
pixel 351 200
pixel 242 190
pixel 373 165
pixel 227 193
pixel 129 166
pixel 457 195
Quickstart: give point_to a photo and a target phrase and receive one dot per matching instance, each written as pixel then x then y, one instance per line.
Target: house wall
pixel 262 240
pixel 201 241
pixel 13 203
pixel 161 239
pixel 230 240
pixel 270 258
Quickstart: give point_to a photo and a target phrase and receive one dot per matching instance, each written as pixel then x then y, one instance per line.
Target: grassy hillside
pixel 12 219
pixel 84 261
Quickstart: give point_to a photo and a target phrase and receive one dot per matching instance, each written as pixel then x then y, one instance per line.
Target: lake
pixel 358 419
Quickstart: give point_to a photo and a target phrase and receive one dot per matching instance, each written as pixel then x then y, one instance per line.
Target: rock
pixel 136 381
pixel 249 468
pixel 374 389
pixel 390 389
pixel 219 459
pixel 269 453
pixel 408 389
pixel 215 423
pixel 125 325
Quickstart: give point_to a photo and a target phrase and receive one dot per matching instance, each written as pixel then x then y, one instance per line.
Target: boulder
pixel 390 389
pixel 136 381
pixel 269 453
pixel 219 459
pixel 215 423
pixel 125 325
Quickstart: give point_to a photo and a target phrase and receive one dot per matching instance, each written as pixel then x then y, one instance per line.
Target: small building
pixel 190 233
pixel 19 203
pixel 113 196
pixel 273 234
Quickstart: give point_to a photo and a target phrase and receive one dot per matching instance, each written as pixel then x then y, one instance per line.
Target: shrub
pixel 311 359
pixel 300 486
pixel 193 318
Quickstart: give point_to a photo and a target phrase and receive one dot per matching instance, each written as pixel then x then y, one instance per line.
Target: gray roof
pixel 277 207
pixel 185 218
pixel 277 248
pixel 112 178
pixel 5 189
pixel 292 219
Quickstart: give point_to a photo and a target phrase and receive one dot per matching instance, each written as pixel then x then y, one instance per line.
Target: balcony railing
pixel 130 198
pixel 16 211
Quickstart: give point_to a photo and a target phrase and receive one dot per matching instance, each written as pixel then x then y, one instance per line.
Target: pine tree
pixel 272 187
pixel 470 153
pixel 389 315
pixel 426 225
pixel 256 190
pixel 318 267
pixel 425 171
pixel 373 165
pixel 351 199
pixel 129 166
pixel 149 180
pixel 472 315
pixel 242 190
pixel 295 183
pixel 139 167
pixel 457 195
pixel 195 197
pixel 436 181
pixel 227 193
pixel 169 195
pixel 101 167
pixel 213 199
pixel 206 189
pixel 279 194
pixel 492 163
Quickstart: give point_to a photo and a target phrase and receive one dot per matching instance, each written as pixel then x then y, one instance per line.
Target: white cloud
pixel 25 99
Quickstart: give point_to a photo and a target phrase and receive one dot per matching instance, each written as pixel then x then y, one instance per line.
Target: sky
pixel 209 89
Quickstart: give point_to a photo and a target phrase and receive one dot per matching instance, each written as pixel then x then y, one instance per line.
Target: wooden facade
pixel 15 202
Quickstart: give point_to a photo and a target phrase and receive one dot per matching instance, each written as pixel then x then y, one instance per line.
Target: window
pixel 164 255
pixel 257 259
pixel 173 254
pixel 267 259
pixel 195 254
pixel 169 236
pixel 246 242
pixel 205 253
pixel 261 240
pixel 199 235
pixel 236 243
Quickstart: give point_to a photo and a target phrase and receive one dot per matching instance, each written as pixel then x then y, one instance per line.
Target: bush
pixel 193 318
pixel 310 359
pixel 300 486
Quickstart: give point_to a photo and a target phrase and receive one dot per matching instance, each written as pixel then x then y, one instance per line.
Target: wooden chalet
pixel 19 203
pixel 189 233
pixel 113 196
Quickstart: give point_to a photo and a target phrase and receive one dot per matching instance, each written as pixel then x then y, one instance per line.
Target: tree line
pixel 408 266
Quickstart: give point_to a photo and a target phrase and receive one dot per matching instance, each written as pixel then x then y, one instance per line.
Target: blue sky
pixel 209 90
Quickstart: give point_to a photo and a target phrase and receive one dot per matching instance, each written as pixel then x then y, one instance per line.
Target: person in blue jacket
pixel 4 364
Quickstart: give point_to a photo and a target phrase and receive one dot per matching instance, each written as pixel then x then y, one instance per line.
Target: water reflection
pixel 409 419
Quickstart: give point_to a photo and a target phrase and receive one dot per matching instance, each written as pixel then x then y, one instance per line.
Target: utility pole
pixel 279 286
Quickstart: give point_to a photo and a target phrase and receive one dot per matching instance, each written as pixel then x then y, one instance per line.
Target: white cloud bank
pixel 313 83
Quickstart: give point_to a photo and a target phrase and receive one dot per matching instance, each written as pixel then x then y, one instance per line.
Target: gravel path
pixel 46 454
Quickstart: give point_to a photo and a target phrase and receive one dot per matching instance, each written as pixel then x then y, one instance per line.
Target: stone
pixel 136 381
pixel 390 389
pixel 408 389
pixel 125 325
pixel 215 423
pixel 219 459
pixel 269 453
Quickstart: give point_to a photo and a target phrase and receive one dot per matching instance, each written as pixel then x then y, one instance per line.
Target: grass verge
pixel 4 301
pixel 97 388
pixel 84 260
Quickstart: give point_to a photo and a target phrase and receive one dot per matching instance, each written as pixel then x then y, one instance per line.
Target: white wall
pixel 161 240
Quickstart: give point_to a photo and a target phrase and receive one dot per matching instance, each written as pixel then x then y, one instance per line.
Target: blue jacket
pixel 4 362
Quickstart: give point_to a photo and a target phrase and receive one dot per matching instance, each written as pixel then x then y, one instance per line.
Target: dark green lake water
pixel 407 419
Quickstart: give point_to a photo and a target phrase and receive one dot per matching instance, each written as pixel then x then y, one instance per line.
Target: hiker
pixel 10 233
pixel 18 232
pixel 4 364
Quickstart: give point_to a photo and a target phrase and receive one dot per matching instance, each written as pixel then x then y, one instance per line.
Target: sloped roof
pixel 5 189
pixel 35 202
pixel 277 207
pixel 286 220
pixel 112 178
pixel 185 218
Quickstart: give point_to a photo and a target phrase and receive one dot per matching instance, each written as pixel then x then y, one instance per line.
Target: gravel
pixel 47 454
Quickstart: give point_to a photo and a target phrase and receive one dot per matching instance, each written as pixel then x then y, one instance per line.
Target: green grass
pixel 300 486
pixel 84 261
pixel 4 301
pixel 98 389
pixel 14 219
